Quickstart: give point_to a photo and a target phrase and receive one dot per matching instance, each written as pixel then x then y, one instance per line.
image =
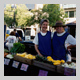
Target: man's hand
pixel 20 39
pixel 40 54
pixel 36 48
pixel 71 46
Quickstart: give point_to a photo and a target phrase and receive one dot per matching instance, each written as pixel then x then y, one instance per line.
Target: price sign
pixel 69 71
pixel 24 67
pixel 6 61
pixel 15 64
pixel 43 73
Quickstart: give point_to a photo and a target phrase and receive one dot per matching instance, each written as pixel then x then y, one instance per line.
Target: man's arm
pixel 17 35
pixel 71 46
pixel 36 48
pixel 20 39
pixel 70 42
pixel 35 41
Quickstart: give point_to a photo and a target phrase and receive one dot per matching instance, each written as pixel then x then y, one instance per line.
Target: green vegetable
pixel 43 59
pixel 17 48
pixel 5 50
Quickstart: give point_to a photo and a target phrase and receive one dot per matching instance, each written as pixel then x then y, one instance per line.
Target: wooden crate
pixel 69 71
pixel 24 60
pixel 60 69
pixel 66 71
pixel 44 65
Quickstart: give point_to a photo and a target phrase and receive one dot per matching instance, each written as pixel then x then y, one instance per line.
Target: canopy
pixel 72 23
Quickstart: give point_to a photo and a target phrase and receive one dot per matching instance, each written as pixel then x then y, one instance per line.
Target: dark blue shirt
pixel 17 35
pixel 58 43
pixel 45 44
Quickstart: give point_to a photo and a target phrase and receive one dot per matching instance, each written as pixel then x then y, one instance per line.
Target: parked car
pixel 19 31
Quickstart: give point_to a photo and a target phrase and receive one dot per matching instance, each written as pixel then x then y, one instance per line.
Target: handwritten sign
pixel 6 61
pixel 24 67
pixel 15 64
pixel 69 71
pixel 43 73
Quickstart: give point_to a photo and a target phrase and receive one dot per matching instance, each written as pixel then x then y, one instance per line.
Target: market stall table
pixel 16 68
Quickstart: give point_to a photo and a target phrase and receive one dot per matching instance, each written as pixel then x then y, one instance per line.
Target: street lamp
pixel 14 7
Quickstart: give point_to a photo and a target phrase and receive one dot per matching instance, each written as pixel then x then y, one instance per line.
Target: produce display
pixel 47 59
pixel 17 48
pixel 7 35
pixel 9 56
pixel 62 63
pixel 47 63
pixel 55 62
pixel 6 52
pixel 69 65
pixel 25 55
pixel 42 59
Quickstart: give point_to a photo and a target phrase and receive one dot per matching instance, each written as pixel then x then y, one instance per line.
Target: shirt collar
pixel 60 34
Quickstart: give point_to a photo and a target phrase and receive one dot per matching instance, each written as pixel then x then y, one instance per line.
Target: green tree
pixel 55 13
pixel 21 17
pixel 37 16
pixel 52 12
pixel 8 15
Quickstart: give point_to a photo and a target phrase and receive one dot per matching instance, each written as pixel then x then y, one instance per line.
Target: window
pixel 71 13
pixel 74 13
pixel 8 32
pixel 27 33
pixel 20 33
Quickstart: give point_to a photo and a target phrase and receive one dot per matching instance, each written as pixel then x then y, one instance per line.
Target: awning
pixel 72 23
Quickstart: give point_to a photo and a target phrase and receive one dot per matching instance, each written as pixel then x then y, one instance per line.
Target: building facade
pixel 70 10
pixel 34 6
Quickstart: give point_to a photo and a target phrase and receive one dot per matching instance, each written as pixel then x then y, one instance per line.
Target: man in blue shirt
pixel 62 42
pixel 17 35
pixel 42 40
